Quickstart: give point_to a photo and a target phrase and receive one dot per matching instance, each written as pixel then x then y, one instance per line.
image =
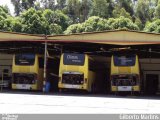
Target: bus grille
pixel 124 80
pixel 75 79
pixel 124 83
pixel 20 78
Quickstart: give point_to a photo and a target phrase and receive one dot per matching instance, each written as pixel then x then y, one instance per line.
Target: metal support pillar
pixel 2 82
pixel 45 69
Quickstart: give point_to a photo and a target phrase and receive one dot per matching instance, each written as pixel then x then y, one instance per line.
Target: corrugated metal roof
pixel 116 37
pixel 12 36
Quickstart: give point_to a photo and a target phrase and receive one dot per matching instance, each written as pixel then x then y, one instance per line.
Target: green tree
pixel 122 23
pixel 16 25
pixel 55 29
pixel 57 17
pixel 3 12
pixel 157 12
pixel 101 8
pixel 139 23
pixel 121 12
pixel 125 4
pixel 12 24
pixel 5 19
pixel 93 23
pixel 96 23
pixel 42 22
pixel 17 6
pixel 61 4
pixel 37 5
pixel 153 26
pixel 48 4
pixel 84 10
pixel 75 28
pixel 26 4
pixel 5 9
pixel 33 22
pixel 73 10
pixel 22 5
pixel 142 11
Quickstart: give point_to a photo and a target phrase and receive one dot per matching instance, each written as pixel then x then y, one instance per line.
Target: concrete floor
pixel 25 103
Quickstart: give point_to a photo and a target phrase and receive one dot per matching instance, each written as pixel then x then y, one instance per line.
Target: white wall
pixel 5 62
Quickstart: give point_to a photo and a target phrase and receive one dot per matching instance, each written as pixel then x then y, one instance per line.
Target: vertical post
pixel 45 70
pixel 2 82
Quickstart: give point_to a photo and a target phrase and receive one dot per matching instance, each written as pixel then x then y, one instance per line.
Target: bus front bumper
pixel 125 88
pixel 72 86
pixel 24 86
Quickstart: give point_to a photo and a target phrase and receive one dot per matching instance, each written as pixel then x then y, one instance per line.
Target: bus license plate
pixel 23 86
pixel 72 86
pixel 124 88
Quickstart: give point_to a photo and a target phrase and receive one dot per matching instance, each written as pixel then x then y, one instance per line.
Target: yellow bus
pixel 125 73
pixel 76 72
pixel 27 72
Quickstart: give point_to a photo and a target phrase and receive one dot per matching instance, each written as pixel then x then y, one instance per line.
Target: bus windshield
pixel 73 59
pixel 24 59
pixel 128 60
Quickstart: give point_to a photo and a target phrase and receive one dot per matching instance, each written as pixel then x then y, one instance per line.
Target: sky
pixel 8 3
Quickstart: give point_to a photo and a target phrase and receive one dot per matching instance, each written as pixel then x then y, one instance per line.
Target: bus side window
pixel 41 62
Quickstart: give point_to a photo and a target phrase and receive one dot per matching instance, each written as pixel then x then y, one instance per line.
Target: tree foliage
pixel 101 8
pixel 73 10
pixel 57 17
pixel 76 16
pixel 99 24
pixel 125 4
pixel 61 4
pixel 93 23
pixel 157 11
pixel 153 26
pixel 84 10
pixel 121 12
pixel 39 22
pixel 142 10
pixel 5 19
pixel 48 4
pixel 17 6
pixel 22 5
pixel 34 23
pixel 123 23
